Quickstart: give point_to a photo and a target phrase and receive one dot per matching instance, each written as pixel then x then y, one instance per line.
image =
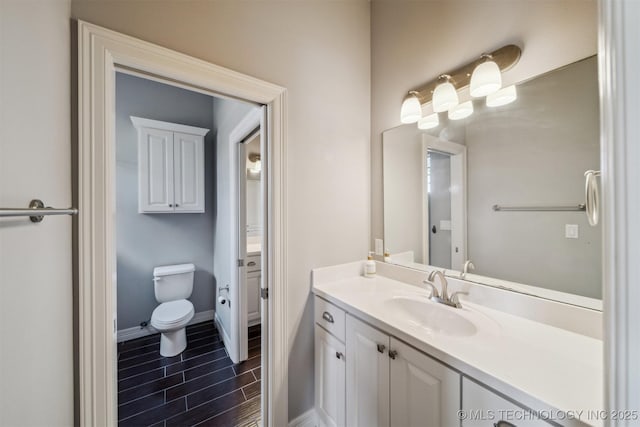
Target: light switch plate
pixel 379 247
pixel 571 231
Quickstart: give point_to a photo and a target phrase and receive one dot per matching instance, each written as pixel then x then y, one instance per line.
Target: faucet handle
pixel 434 290
pixel 455 297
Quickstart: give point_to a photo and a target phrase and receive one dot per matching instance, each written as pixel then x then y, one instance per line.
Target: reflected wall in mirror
pixel 440 187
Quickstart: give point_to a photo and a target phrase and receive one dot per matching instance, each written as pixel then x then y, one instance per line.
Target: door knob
pixel 433 229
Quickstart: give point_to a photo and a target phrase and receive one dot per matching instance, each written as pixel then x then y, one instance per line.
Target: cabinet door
pixel 253 298
pixel 330 378
pixel 188 172
pixel 367 375
pixel 155 170
pixel 424 392
pixel 483 408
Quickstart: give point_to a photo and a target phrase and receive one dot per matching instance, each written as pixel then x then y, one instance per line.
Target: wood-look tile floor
pixel 201 386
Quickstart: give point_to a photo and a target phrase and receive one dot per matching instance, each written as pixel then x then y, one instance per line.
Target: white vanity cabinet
pixel 170 167
pixel 392 384
pixel 424 392
pixel 367 375
pixel 254 277
pixel 483 408
pixel 330 369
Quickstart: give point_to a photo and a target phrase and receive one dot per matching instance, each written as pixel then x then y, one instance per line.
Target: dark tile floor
pixel 200 387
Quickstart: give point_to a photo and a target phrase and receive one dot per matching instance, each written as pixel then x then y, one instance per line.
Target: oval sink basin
pixel 434 317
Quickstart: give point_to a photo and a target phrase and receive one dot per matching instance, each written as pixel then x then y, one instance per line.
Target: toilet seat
pixel 172 314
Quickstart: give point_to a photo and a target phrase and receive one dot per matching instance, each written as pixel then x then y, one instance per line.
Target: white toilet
pixel 173 285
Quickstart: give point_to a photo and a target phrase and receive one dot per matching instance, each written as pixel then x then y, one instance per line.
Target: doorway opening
pixel 102 54
pixel 180 359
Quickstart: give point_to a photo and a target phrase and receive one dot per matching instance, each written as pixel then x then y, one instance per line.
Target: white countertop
pixel 254 249
pixel 543 367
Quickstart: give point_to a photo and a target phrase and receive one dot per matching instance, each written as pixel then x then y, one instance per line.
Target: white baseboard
pixel 254 322
pixel 138 332
pixel 223 333
pixel 308 419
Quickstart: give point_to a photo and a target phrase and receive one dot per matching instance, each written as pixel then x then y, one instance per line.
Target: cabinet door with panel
pixel 253 298
pixel 188 172
pixel 424 392
pixel 330 378
pixel 155 170
pixel 367 375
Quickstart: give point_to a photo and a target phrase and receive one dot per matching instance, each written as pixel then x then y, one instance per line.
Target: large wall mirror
pixel 504 188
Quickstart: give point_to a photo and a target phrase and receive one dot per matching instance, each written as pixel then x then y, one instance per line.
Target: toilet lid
pixel 172 312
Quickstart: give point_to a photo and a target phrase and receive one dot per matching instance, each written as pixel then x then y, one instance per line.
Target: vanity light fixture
pixel 445 95
pixel 429 122
pixel 502 97
pixel 480 73
pixel 461 111
pixel 257 164
pixel 486 78
pixel 411 110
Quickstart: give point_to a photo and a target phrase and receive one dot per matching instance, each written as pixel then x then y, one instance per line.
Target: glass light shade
pixel 502 97
pixel 429 122
pixel 445 97
pixel 256 167
pixel 461 111
pixel 411 110
pixel 486 79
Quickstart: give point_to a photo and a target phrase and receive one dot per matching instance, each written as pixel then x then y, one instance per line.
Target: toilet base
pixel 173 343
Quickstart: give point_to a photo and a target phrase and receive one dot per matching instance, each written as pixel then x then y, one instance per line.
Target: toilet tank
pixel 173 282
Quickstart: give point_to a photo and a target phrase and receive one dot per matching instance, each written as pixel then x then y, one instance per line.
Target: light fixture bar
pixel 506 57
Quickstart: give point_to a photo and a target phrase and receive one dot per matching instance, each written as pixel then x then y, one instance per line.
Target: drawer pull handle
pixel 381 348
pixel 503 423
pixel 251 263
pixel 393 354
pixel 339 355
pixel 327 316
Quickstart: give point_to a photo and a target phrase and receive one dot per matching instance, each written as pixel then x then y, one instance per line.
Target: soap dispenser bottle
pixel 370 266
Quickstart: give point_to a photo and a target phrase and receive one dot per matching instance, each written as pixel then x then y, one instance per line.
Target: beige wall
pixel 319 51
pixel 412 42
pixel 36 347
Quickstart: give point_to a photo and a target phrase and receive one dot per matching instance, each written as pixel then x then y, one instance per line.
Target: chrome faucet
pixel 443 297
pixel 468 265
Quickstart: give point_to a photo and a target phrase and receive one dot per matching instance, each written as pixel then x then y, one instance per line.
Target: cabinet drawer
pixel 330 317
pixel 253 263
pixel 483 408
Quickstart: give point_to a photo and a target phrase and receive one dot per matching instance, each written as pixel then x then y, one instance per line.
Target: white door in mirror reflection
pixel 444 222
pixel 439 205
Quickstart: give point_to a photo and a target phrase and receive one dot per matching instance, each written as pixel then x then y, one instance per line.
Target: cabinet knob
pixel 339 355
pixel 381 348
pixel 170 205
pixel 177 205
pixel 393 354
pixel 327 316
pixel 251 263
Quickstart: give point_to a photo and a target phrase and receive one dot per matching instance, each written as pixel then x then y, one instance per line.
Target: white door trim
pixel 100 51
pixel 619 62
pixel 458 154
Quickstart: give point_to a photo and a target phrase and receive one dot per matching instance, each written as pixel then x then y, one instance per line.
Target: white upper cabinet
pixel 170 167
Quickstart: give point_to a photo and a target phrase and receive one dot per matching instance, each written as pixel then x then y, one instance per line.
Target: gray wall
pixel 145 241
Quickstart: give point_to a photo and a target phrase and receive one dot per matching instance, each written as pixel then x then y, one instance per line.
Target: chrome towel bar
pixel 36 211
pixel 580 207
